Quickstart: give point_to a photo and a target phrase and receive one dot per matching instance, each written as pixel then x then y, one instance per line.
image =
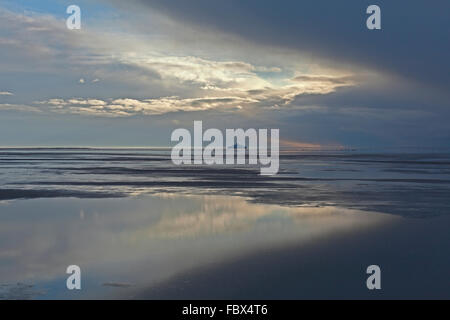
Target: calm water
pixel 134 222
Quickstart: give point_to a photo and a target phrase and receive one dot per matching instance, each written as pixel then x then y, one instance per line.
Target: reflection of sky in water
pixel 132 243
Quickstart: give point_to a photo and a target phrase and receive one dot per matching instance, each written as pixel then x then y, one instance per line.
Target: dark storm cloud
pixel 414 41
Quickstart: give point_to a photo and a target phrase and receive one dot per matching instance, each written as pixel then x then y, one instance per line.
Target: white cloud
pixel 264 98
pixel 130 107
pixel 18 107
pixel 6 93
pixel 181 83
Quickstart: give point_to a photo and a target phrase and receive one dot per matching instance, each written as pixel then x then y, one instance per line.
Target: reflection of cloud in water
pixel 224 215
pixel 145 240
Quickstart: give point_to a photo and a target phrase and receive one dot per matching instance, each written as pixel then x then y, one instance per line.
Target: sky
pixel 139 69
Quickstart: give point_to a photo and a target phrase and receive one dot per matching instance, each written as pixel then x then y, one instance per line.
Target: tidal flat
pixel 140 228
